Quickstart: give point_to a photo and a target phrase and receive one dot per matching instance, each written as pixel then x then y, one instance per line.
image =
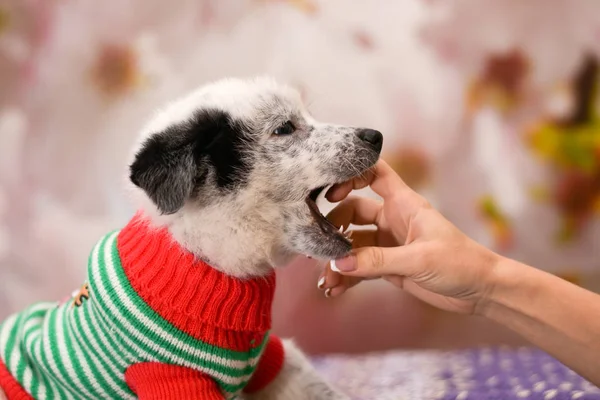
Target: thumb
pixel 371 262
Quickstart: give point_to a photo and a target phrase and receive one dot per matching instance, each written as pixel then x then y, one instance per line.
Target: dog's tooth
pixel 328 293
pixel 349 234
pixel 342 229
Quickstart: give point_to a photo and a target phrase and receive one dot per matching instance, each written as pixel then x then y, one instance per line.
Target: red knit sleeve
pixel 154 381
pixel 268 367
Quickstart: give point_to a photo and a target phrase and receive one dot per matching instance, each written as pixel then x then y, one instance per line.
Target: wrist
pixel 497 278
pixel 510 284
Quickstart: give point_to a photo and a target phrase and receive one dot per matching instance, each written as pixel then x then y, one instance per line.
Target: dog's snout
pixel 372 137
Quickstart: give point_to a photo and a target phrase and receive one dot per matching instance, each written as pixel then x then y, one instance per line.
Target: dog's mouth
pixel 324 224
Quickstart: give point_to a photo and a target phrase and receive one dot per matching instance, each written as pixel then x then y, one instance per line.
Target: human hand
pixel 413 246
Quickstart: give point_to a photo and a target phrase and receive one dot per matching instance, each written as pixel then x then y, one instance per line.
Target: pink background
pixel 454 86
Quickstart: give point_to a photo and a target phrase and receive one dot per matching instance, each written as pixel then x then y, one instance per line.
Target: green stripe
pixel 114 377
pixel 30 350
pixel 19 375
pixel 47 375
pixel 35 383
pixel 61 373
pixel 230 371
pixel 100 317
pixel 22 363
pixel 158 320
pixel 11 343
pixel 92 317
pixel 34 328
pixel 154 338
pixel 131 336
pixel 36 316
pixel 73 356
pixel 150 314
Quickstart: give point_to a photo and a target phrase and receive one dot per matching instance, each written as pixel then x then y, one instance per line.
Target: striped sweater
pixel 151 322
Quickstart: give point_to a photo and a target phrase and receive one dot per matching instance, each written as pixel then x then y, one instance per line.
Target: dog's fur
pixel 228 170
pixel 212 167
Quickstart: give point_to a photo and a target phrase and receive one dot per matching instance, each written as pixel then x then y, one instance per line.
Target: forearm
pixel 559 317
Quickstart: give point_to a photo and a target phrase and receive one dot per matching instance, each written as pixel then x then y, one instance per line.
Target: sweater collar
pixel 187 291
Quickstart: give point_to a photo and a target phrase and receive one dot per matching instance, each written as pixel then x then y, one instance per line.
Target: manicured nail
pixel 328 292
pixel 346 264
pixel 334 266
pixel 321 282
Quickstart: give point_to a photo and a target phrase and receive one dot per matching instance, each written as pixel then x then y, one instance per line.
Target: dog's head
pixel 237 166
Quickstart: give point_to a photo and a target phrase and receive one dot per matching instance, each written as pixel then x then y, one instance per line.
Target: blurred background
pixel 489 108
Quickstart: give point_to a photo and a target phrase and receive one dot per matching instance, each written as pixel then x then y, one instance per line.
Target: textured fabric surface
pixel 479 374
pixel 135 308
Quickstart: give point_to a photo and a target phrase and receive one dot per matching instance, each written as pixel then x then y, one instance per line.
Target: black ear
pixel 173 164
pixel 165 169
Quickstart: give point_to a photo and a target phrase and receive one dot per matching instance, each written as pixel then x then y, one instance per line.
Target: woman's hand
pixel 413 246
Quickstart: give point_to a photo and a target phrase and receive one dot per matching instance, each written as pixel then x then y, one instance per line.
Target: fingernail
pixel 334 266
pixel 346 264
pixel 321 282
pixel 328 292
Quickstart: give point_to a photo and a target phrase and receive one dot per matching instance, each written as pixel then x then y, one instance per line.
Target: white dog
pixel 177 304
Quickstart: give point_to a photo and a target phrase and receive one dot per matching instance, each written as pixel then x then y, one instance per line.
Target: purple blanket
pixel 481 374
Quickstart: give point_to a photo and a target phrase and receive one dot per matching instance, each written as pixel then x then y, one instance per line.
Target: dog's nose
pixel 372 137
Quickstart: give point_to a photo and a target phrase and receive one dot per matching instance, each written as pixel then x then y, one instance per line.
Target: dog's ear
pixel 165 169
pixel 172 164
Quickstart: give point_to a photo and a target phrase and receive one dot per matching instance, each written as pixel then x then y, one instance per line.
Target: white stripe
pixel 167 336
pixel 4 334
pixel 54 372
pixel 44 390
pixel 84 362
pixel 31 338
pixel 31 325
pixel 65 357
pixel 131 330
pixel 99 366
pixel 27 378
pixel 106 345
pixel 15 353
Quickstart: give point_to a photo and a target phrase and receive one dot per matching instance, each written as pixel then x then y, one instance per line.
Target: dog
pixel 176 304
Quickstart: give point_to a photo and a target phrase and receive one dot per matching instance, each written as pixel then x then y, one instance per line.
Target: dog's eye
pixel 285 129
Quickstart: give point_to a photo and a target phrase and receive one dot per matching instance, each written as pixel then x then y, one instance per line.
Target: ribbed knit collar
pixel 186 291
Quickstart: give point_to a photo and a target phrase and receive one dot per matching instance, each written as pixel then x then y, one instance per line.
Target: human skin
pixel 419 251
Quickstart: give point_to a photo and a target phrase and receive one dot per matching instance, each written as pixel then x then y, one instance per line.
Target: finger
pixel 345 283
pixel 396 280
pixel 341 289
pixel 364 238
pixel 382 179
pixel 329 279
pixel 380 261
pixel 357 211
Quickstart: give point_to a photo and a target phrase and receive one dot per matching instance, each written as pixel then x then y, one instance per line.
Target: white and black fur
pixel 233 170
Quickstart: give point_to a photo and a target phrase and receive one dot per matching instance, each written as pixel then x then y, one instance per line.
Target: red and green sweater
pixel 151 322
